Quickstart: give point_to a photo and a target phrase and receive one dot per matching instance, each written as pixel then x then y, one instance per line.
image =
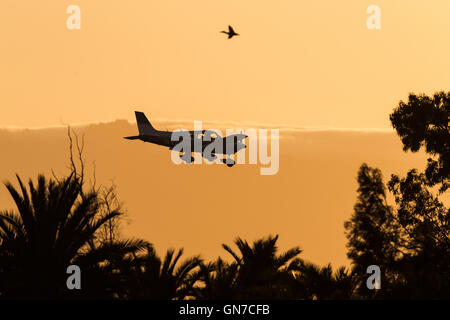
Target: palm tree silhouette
pixel 158 279
pixel 219 280
pixel 263 274
pixel 108 268
pixel 321 283
pixel 54 227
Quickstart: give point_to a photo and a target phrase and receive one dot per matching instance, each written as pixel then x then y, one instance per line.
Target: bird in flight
pixel 231 33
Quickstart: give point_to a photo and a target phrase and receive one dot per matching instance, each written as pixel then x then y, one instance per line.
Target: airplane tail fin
pixel 144 126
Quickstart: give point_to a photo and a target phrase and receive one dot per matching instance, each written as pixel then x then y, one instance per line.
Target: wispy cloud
pixel 169 124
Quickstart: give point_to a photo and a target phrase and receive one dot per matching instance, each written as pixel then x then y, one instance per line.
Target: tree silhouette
pixel 320 283
pixel 424 121
pixel 262 273
pixel 425 225
pixel 373 232
pixel 219 281
pixel 158 279
pixel 54 227
pixel 411 242
pixel 107 269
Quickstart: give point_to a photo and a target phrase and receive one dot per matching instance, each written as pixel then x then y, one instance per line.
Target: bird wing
pixel 231 29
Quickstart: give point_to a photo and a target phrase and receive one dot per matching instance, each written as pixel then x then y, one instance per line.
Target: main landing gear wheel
pixel 228 162
pixel 186 159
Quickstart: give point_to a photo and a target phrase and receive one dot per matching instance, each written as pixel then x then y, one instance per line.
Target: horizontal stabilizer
pixel 132 137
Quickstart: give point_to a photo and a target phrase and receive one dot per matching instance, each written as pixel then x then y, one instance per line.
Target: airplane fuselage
pixel 197 144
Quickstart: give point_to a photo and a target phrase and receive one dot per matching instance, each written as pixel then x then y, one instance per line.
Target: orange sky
pixel 199 207
pixel 311 63
pixel 295 64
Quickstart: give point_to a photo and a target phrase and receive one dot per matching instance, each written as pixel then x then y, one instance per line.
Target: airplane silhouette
pixel 231 33
pixel 164 138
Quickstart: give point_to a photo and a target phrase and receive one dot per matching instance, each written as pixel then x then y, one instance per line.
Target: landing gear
pixel 186 158
pixel 229 162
